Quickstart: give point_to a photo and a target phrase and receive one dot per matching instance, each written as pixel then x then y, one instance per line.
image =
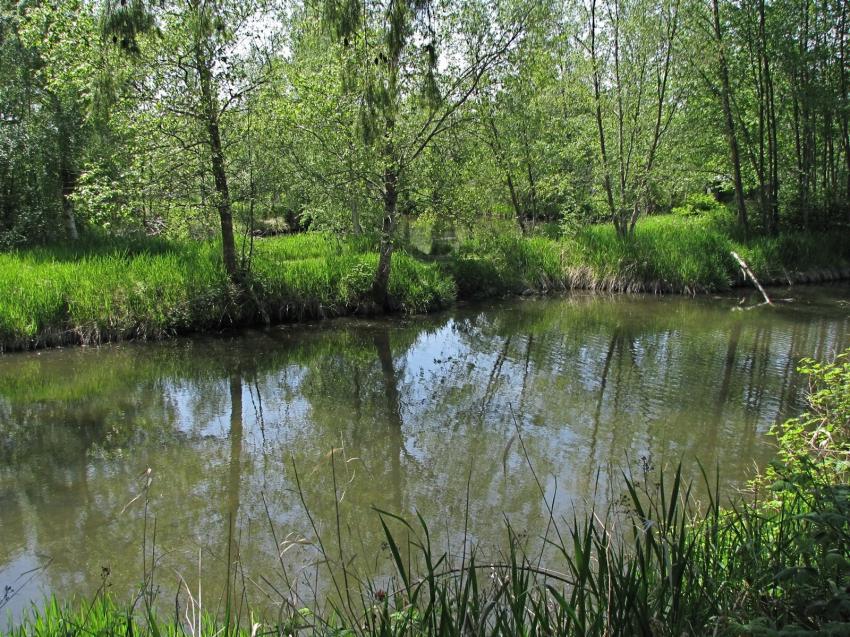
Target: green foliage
pixel 478 109
pixel 494 263
pixel 99 200
pixel 124 22
pixel 699 203
pixel 104 617
pixel 808 502
pixel 775 257
pixel 822 433
pixel 89 295
pixel 419 287
pixel 668 253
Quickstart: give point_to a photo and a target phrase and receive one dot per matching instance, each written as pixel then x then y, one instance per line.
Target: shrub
pixel 697 204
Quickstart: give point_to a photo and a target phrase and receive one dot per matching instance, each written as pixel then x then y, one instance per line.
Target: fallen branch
pixel 749 273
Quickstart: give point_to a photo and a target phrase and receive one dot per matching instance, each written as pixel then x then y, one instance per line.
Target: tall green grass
pixel 110 289
pixel 102 296
pixel 667 566
pixel 100 291
pixel 103 617
pixel 668 253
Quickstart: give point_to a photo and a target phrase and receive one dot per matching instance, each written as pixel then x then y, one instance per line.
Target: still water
pixel 116 458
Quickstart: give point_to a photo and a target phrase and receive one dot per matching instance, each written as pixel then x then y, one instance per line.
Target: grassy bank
pixel 667 254
pixel 152 289
pixel 773 562
pixel 100 291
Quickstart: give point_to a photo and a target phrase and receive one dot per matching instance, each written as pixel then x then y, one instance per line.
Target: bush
pixel 698 203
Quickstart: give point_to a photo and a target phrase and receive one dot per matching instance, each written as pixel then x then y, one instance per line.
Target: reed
pixel 668 568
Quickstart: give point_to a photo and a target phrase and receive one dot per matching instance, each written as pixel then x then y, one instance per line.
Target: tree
pixel 312 149
pixel 200 61
pixel 725 94
pixel 49 109
pixel 529 116
pixel 408 93
pixel 630 44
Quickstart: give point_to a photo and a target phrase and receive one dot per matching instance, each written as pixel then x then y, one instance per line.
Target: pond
pixel 119 459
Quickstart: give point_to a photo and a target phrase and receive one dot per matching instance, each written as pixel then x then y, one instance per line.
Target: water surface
pixel 200 439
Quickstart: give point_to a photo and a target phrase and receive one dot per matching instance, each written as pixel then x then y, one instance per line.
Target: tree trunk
pixel 355 217
pixel 67 177
pixel 771 188
pixel 659 127
pixel 620 223
pixel 381 283
pixel 225 212
pixel 597 98
pixel 806 153
pixel 355 202
pixel 69 184
pixel 498 151
pixel 729 121
pixel 759 161
pixel 520 217
pixel 532 184
pixel 845 102
pixel 773 143
pixel 380 286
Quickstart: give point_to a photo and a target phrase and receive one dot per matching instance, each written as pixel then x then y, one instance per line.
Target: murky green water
pixel 416 409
